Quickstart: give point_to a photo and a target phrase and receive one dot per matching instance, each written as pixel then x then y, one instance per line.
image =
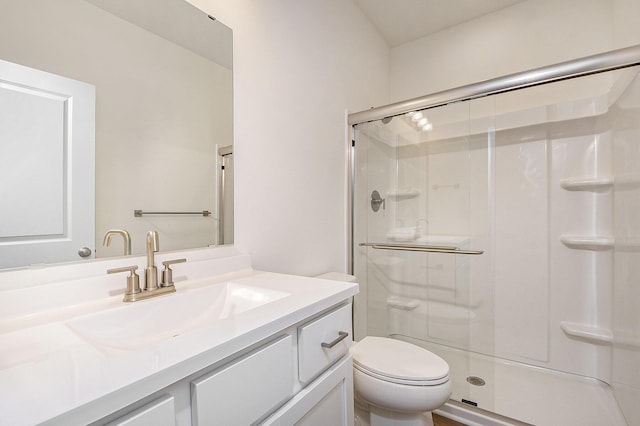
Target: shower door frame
pixel 594 64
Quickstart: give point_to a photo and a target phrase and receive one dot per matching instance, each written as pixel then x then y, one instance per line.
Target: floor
pixel 443 421
pixel 362 418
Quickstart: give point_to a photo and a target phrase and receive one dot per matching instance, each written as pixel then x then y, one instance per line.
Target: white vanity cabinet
pixel 323 352
pixel 236 347
pixel 299 376
pixel 283 372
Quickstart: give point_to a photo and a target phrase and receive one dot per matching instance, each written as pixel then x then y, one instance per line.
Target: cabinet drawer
pixel 246 390
pixel 322 342
pixel 159 412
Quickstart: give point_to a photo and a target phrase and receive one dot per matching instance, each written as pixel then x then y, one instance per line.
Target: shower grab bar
pixel 424 248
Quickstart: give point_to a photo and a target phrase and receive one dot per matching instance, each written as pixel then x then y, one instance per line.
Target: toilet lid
pixel 398 361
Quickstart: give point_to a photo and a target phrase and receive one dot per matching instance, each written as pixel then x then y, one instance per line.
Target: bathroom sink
pixel 139 324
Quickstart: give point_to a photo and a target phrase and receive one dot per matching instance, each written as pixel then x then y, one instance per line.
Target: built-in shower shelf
pixel 598 335
pixel 581 242
pixel 403 193
pixel 405 234
pixel 402 303
pixel 587 184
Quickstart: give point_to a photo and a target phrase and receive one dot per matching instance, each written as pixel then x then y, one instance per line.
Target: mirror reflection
pixel 156 76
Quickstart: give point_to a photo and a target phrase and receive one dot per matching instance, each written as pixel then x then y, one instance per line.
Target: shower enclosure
pixel 498 226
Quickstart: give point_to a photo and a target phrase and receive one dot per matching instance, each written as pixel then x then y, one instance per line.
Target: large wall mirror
pixel 108 107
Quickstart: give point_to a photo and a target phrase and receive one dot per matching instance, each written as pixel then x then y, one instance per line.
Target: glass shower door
pixel 413 214
pixel 543 181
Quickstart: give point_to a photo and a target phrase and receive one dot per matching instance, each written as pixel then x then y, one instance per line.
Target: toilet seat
pixel 402 381
pixel 399 362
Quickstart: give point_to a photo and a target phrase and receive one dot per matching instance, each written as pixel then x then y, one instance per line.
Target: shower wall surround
pixel 542 180
pixel 625 319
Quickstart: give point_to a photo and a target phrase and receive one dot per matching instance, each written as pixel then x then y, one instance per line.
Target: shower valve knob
pixel 376 201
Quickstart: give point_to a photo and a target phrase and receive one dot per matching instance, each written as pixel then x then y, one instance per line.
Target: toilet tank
pixel 337 276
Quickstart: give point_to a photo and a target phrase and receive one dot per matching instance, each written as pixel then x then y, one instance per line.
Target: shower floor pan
pixel 525 393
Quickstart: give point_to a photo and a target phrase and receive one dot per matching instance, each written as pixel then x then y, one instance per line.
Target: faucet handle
pixel 133 281
pixel 167 272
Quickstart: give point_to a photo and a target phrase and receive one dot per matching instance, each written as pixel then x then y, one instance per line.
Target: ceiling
pixel 401 21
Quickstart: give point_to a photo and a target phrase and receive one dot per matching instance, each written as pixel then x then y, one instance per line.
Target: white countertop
pixel 49 371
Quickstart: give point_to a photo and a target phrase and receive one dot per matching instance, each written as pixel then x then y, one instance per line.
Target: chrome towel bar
pixel 140 213
pixel 423 248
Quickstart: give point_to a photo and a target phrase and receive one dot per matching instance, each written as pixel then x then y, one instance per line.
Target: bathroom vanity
pixel 232 346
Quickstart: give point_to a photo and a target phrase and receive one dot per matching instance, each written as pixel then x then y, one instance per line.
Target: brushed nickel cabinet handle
pixel 341 336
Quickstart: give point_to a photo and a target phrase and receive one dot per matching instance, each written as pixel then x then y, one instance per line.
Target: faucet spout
pixel 125 236
pixel 152 247
pixel 151 272
pixel 151 286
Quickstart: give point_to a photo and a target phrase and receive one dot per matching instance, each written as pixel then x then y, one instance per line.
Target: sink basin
pixel 143 323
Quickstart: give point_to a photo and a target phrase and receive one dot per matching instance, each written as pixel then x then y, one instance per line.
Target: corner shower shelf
pixel 403 193
pixel 402 303
pixel 587 184
pixel 587 242
pixel 598 335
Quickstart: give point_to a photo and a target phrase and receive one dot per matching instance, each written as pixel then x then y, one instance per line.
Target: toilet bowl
pixel 398 382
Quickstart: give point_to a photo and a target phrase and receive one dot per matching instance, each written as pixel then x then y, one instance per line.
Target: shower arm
pixel 422 248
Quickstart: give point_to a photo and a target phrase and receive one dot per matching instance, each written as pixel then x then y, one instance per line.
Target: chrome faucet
pixel 151 287
pixel 125 236
pixel 151 272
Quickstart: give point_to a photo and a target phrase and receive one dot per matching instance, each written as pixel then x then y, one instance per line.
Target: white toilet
pixel 398 382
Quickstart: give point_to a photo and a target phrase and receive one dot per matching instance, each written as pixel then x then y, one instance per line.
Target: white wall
pixel 527 35
pixel 625 22
pixel 298 66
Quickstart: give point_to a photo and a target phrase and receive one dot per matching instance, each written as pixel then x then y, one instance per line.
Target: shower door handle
pixel 423 248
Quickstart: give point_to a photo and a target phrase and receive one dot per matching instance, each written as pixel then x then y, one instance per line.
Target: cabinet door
pixel 328 400
pixel 246 390
pixel 160 412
